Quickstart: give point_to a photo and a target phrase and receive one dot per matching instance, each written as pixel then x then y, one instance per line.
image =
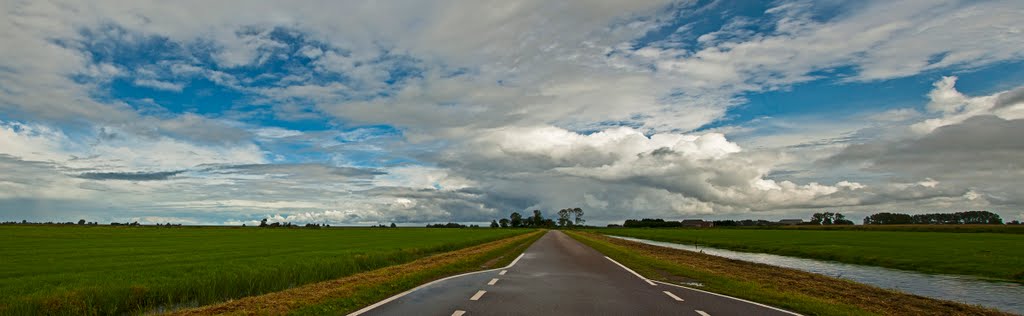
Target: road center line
pixel 673 296
pixel 458 313
pixel 631 271
pixel 702 313
pixel 502 272
pixel 477 295
pixel 492 282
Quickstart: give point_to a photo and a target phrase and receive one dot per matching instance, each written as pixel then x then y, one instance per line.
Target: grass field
pixel 114 270
pixel 987 255
pixel 1002 229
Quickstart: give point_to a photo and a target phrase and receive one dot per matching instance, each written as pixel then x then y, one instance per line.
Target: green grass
pixel 114 270
pixel 970 228
pixel 986 255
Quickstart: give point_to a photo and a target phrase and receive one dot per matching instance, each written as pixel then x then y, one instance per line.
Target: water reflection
pixel 999 295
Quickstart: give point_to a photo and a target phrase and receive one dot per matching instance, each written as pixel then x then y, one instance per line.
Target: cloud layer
pixel 403 111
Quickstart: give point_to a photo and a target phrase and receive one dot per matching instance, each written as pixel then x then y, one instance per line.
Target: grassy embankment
pixel 968 228
pixel 802 292
pixel 995 256
pixel 348 294
pixel 115 270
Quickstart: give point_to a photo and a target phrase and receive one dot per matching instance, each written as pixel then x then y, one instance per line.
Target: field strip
pixel 283 302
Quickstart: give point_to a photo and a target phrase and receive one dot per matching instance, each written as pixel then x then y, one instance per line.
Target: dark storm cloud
pixel 130 176
pixel 979 144
pixel 1009 98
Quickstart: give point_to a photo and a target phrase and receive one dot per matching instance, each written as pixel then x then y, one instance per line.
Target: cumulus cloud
pixel 681 173
pixel 967 150
pixel 466 110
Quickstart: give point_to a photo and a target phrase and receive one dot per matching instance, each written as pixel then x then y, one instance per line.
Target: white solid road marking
pixel 492 282
pixel 458 313
pixel 631 271
pixel 477 295
pixel 730 297
pixel 517 260
pixel 702 313
pixel 502 272
pixel 673 296
pixel 399 295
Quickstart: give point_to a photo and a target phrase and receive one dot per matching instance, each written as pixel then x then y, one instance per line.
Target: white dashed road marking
pixel 673 296
pixel 492 282
pixel 458 313
pixel 631 271
pixel 502 272
pixel 477 295
pixel 702 313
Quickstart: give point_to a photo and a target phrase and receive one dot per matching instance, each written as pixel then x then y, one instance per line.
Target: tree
pixel 393 225
pixel 503 222
pixel 81 222
pixel 263 223
pixel 563 217
pixel 516 219
pixel 538 218
pixel 841 220
pixel 578 213
pixel 494 224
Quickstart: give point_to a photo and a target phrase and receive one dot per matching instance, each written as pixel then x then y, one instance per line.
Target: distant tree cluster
pixel 568 217
pixel 135 223
pixel 829 218
pixel 265 224
pixel 535 221
pixel 25 222
pixel 651 223
pixel 745 223
pixel 968 217
pixel 451 225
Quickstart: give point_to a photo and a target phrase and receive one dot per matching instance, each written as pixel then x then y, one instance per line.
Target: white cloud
pixel 954 107
pixel 496 102
pixel 159 85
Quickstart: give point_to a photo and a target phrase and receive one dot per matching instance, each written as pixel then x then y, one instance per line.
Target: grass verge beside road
pixel 986 255
pixel 348 294
pixel 794 290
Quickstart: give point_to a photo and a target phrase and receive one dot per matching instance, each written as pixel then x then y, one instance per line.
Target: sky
pixel 358 113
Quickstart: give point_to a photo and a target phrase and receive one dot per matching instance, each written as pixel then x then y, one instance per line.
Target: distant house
pixel 791 222
pixel 697 223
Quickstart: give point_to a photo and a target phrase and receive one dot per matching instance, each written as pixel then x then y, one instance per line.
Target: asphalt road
pixel 558 275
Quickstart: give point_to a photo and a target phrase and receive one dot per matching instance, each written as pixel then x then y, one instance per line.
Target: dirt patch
pixel 282 302
pixel 832 290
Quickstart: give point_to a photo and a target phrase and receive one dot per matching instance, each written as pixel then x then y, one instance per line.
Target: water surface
pixel 1004 296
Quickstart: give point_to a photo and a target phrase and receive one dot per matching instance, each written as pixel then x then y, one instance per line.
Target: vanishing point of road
pixel 558 275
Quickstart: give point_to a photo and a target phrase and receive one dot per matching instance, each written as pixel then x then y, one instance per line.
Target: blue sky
pixel 463 111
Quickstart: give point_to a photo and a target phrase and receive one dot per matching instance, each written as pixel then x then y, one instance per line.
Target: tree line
pixel 968 217
pixel 567 217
